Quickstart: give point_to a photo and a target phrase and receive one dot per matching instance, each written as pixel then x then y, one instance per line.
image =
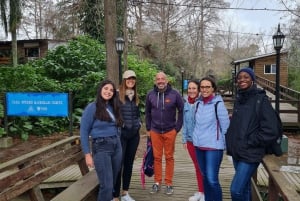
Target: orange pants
pixel 163 143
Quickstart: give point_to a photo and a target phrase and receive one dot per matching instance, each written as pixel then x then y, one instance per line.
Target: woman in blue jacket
pixel 211 123
pixel 101 120
pixel 193 93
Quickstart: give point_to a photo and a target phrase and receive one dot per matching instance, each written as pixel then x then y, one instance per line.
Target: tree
pixel 110 22
pixel 13 23
pixel 199 23
pixel 92 18
pixel 163 17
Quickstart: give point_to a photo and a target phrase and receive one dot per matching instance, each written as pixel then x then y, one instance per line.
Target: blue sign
pixel 185 84
pixel 37 104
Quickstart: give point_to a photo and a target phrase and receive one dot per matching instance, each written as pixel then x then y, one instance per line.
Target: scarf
pixel 207 99
pixel 191 100
pixel 130 94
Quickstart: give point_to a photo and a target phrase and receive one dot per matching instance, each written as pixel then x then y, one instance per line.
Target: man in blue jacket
pixel 164 118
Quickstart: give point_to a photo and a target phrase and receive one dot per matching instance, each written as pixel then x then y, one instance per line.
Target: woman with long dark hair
pixel 101 120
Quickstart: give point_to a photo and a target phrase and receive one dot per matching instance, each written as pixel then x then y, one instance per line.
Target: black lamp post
pixel 120 47
pixel 182 81
pixel 233 81
pixel 278 39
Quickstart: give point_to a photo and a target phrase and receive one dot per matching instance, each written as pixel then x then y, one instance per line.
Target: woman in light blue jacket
pixel 211 123
pixel 187 134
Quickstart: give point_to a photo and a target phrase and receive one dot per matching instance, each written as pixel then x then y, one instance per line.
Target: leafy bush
pixel 77 68
pixel 1 119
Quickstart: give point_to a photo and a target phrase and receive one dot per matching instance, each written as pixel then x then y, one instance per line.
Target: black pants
pixel 129 148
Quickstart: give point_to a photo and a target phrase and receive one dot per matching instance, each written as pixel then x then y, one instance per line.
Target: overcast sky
pixel 256 21
pixel 250 21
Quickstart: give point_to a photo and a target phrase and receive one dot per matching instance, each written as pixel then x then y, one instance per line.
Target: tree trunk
pixel 14 47
pixel 110 21
pixel 125 31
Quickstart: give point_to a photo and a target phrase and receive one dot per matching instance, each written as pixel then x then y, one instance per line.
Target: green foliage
pixel 81 56
pixel 225 84
pixel 77 68
pixel 47 125
pixel 294 78
pixel 21 126
pixel 2 132
pixel 25 78
pixel 76 115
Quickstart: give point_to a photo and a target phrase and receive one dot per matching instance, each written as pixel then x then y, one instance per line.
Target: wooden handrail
pixel 279 186
pixel 26 172
pixel 287 95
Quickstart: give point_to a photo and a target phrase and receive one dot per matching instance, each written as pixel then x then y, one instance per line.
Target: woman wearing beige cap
pixel 130 136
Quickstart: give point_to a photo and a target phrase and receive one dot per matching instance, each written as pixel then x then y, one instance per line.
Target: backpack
pixel 148 163
pixel 275 147
pixel 216 109
pixel 216 113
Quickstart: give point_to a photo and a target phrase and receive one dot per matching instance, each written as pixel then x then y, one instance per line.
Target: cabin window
pixel 32 52
pixel 270 69
pixel 5 53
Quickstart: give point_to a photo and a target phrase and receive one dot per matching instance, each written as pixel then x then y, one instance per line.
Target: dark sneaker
pixel 155 188
pixel 169 190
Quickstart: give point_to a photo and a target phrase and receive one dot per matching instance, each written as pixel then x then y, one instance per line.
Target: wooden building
pixel 265 66
pixel 27 49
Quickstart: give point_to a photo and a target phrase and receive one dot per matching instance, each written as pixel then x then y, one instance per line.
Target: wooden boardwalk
pixel 184 178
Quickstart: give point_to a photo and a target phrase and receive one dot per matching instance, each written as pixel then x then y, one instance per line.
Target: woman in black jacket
pixel 251 130
pixel 130 136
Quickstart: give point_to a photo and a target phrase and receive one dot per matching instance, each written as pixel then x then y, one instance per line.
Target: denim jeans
pixel 209 162
pixel 107 156
pixel 240 188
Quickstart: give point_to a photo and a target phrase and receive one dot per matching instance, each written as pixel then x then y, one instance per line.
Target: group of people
pixel 113 122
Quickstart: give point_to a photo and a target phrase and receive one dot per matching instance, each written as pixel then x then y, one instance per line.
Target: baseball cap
pixel 129 73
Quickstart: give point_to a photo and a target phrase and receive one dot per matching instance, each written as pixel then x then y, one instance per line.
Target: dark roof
pixel 256 57
pixel 32 40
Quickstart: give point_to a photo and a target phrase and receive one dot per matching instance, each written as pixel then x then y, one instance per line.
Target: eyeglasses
pixel 205 87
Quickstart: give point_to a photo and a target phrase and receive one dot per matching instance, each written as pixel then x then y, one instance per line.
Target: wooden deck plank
pixel 184 178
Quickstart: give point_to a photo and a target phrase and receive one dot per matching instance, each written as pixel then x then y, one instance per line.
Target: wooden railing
pixel 279 187
pixel 287 95
pixel 25 173
pixel 285 92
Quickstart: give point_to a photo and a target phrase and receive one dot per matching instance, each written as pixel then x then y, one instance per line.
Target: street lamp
pixel 182 81
pixel 278 39
pixel 233 81
pixel 119 48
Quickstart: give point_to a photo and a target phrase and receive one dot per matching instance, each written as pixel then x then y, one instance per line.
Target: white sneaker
pixel 197 197
pixel 127 198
